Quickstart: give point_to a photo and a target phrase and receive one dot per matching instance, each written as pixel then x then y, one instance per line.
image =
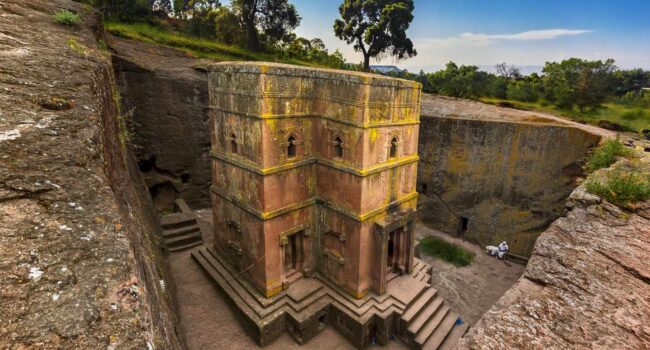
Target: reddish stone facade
pixel 313 172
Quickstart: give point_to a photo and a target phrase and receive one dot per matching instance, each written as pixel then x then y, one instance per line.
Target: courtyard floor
pixel 473 289
pixel 208 322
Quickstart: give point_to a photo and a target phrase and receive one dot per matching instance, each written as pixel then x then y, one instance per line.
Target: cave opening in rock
pixel 462 226
pixel 147 165
pixel 163 196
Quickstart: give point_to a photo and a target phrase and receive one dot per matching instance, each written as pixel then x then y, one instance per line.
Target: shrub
pixel 65 17
pixel 605 155
pixel 522 91
pixel 452 253
pixel 636 114
pixel 621 188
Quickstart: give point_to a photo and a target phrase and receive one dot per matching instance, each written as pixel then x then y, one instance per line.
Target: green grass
pixel 452 253
pixel 605 155
pixel 621 188
pixel 196 47
pixel 629 117
pixel 65 17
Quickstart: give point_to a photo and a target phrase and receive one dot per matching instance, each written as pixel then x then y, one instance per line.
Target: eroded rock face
pixel 491 174
pixel 587 285
pixel 78 268
pixel 168 99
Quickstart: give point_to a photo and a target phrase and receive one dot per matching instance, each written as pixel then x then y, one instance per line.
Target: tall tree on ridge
pixel 376 27
pixel 274 18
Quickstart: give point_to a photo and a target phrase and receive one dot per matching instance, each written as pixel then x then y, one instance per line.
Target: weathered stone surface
pixel 168 100
pixel 507 172
pixel 69 276
pixel 586 286
pixel 338 206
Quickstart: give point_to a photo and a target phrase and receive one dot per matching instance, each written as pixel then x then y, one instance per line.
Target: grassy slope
pixel 610 111
pixel 196 47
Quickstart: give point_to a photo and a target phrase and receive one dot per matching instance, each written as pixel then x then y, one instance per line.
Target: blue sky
pixel 521 32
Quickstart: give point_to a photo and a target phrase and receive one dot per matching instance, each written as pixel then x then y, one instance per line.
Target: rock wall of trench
pixel 80 265
pixel 490 180
pixel 586 285
pixel 168 100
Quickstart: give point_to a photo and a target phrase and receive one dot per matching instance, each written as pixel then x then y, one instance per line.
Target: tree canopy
pixel 579 82
pixel 275 19
pixel 376 27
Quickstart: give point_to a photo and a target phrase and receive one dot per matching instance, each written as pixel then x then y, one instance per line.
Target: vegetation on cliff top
pixel 595 92
pixel 452 253
pixel 622 188
pixel 199 47
pixel 66 17
pixel 606 154
pixel 624 185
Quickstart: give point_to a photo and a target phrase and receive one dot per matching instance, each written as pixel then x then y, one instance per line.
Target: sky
pixel 519 32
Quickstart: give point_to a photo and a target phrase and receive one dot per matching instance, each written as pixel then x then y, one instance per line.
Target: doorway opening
pixel 396 257
pixel 462 226
pixel 293 254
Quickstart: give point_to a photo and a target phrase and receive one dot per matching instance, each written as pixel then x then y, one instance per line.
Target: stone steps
pixel 181 230
pixel 206 263
pixel 436 332
pixel 262 307
pixel 184 230
pixel 177 220
pixel 184 240
pixel 425 315
pixel 185 246
pixel 456 333
pixel 418 305
pixel 428 323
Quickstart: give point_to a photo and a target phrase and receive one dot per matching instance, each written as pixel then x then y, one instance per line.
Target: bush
pixel 65 17
pixel 522 91
pixel 452 253
pixel 635 99
pixel 636 114
pixel 621 188
pixel 605 155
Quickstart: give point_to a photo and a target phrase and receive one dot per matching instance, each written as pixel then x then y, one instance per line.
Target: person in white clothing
pixel 503 249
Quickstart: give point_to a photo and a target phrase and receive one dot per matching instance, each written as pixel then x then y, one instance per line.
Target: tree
pixel 583 83
pixel 227 27
pixel 632 80
pixel 124 10
pixel 201 16
pixel 376 27
pixel 274 18
pixel 508 72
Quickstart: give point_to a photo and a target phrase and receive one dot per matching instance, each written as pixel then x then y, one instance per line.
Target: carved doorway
pixel 294 256
pixel 397 253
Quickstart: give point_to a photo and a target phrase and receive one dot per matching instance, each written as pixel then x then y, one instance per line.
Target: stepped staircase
pixel 425 322
pixel 428 323
pixel 181 230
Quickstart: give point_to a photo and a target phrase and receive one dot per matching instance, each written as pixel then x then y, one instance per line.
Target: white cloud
pixel 480 39
pixel 529 35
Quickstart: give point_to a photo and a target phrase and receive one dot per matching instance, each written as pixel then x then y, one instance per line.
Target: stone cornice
pixel 314 115
pixel 254 167
pixel 309 202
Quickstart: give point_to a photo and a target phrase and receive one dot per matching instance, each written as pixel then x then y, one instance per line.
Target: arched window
pixel 338 147
pixel 233 143
pixel 392 153
pixel 291 147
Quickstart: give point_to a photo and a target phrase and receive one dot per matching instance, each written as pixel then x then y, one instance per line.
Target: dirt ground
pixel 208 321
pixel 473 289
